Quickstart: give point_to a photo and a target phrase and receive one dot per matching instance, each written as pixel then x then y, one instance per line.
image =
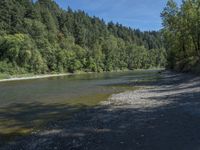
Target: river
pixel 28 105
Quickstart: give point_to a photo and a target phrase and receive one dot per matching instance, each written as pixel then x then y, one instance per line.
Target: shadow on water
pixel 21 119
pixel 173 126
pixel 24 118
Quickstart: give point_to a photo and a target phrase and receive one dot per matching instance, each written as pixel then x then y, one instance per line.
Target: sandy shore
pixel 36 77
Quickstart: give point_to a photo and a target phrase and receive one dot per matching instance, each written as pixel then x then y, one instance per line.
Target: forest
pixel 181 35
pixel 40 37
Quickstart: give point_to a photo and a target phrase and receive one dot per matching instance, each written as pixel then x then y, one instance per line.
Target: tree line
pixel 182 35
pixel 40 37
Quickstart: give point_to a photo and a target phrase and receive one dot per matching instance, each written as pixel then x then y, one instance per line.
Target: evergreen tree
pixel 41 37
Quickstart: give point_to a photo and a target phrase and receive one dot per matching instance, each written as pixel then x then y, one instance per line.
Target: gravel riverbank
pixel 34 77
pixel 162 115
pixel 31 77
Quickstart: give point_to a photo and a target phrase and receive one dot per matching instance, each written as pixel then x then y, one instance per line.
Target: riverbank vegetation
pixel 182 35
pixel 40 37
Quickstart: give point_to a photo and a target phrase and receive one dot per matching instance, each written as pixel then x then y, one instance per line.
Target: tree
pixel 40 37
pixel 182 34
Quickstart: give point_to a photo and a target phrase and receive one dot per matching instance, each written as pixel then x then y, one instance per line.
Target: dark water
pixel 28 104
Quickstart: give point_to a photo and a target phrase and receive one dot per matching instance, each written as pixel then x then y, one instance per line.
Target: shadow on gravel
pixel 175 126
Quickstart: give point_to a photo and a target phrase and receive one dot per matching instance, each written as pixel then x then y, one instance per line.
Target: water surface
pixel 28 105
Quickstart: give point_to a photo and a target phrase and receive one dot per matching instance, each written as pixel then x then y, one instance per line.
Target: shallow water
pixel 62 89
pixel 29 104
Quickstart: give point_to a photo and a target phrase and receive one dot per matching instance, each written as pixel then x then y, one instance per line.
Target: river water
pixel 29 104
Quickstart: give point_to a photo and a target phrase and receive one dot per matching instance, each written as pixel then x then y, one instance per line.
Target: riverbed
pixel 28 105
pixel 146 110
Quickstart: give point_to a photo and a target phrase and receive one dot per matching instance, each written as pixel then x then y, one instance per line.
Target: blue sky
pixel 142 14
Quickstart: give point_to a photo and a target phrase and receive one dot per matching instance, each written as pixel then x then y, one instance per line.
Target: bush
pixel 11 69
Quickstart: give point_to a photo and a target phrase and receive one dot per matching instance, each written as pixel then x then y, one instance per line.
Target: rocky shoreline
pixel 163 115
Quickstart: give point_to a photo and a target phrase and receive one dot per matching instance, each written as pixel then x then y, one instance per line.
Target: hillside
pixel 41 37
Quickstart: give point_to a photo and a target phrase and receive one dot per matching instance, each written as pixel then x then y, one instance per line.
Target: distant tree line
pixel 182 35
pixel 40 37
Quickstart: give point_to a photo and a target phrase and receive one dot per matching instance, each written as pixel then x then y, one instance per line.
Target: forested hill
pixel 40 37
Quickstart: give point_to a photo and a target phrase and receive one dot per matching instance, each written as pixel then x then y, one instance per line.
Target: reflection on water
pixel 29 104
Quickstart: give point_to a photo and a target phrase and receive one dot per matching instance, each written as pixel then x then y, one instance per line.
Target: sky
pixel 137 14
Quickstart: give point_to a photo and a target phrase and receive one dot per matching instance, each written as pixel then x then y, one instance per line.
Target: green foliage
pixel 182 34
pixel 40 37
pixel 19 49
